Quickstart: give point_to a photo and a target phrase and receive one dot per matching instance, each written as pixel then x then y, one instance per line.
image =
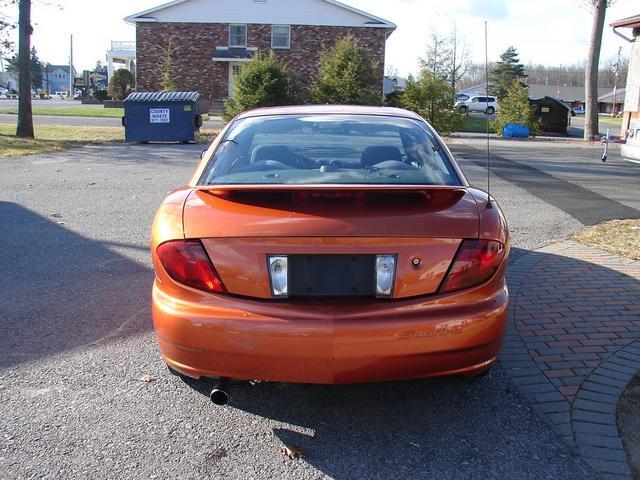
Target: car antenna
pixel 486 92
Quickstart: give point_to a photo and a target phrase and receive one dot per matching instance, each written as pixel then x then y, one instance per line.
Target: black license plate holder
pixel 332 275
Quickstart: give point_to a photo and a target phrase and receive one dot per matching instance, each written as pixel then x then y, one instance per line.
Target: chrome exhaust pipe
pixel 220 392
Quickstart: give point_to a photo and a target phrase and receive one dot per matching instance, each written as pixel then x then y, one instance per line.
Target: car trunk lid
pixel 422 227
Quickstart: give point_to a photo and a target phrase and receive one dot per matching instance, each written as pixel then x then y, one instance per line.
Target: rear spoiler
pixel 325 187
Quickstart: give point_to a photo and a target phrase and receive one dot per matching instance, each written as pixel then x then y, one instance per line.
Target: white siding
pixel 280 12
pixel 632 99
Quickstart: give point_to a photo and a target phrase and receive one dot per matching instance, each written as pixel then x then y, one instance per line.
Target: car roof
pixel 330 109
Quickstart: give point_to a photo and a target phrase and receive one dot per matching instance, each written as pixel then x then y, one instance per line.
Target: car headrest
pixel 377 154
pixel 281 153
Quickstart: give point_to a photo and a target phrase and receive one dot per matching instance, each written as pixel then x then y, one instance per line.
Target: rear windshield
pixel 329 149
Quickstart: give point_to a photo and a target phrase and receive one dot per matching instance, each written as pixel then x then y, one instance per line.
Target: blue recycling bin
pixel 514 130
pixel 162 117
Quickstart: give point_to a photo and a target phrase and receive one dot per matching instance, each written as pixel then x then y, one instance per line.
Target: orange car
pixel 325 244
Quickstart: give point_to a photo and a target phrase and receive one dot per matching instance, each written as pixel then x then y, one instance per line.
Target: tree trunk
pixel 25 117
pixel 591 72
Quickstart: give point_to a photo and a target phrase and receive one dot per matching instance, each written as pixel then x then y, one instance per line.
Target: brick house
pixel 214 37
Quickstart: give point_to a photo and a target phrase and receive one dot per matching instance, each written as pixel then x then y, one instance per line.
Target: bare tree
pixel 447 57
pixel 599 9
pixel 475 75
pixel 7 26
pixel 459 58
pixel 438 56
pixel 25 117
pixel 390 71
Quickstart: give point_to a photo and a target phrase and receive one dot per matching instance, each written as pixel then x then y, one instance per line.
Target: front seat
pixel 377 154
pixel 279 153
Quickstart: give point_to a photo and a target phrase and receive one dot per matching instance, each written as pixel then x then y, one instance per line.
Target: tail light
pixel 188 263
pixel 475 263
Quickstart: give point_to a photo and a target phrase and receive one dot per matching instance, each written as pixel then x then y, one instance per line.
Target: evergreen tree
pixel 515 108
pixel 121 84
pixel 13 67
pixel 507 70
pixel 431 97
pixel 100 68
pixel 347 75
pixel 36 69
pixel 262 82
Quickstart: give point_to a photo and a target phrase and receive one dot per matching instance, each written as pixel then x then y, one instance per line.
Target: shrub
pixel 431 97
pixel 515 108
pixel 262 82
pixel 167 79
pixel 100 95
pixel 347 76
pixel 121 84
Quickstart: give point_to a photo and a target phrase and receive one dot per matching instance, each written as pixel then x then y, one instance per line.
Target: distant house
pixel 122 53
pixel 55 78
pixel 8 81
pixel 214 38
pixel 629 29
pixel 607 102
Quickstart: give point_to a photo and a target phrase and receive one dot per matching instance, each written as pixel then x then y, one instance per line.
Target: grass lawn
pixel 609 122
pixel 73 111
pixel 54 138
pixel 78 112
pixel 475 124
pixel 620 237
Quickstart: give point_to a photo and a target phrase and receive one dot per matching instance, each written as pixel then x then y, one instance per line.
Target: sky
pixel 551 32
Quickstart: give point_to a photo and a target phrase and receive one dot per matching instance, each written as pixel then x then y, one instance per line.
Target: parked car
pixel 330 245
pixel 578 110
pixel 4 92
pixel 488 105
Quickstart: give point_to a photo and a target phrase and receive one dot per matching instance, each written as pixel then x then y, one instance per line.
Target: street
pixel 73 405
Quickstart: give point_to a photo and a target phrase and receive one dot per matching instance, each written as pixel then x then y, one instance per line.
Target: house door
pixel 234 70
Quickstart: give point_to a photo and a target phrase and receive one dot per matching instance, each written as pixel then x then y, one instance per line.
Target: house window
pixel 238 36
pixel 280 36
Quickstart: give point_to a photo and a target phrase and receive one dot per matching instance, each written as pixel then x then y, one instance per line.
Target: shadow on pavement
pixel 61 291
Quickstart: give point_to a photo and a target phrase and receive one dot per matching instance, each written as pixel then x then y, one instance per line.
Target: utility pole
pixel 71 69
pixel 616 73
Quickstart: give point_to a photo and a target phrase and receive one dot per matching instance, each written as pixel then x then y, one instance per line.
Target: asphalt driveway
pixel 77 338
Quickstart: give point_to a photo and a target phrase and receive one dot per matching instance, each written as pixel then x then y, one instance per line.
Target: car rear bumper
pixel 332 342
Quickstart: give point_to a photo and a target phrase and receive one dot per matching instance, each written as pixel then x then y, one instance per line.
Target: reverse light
pixel 385 275
pixel 475 263
pixel 279 275
pixel 188 263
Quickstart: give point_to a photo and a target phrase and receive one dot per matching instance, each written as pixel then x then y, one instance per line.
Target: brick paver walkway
pixel 573 344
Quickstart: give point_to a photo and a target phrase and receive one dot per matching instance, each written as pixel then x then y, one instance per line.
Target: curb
pixel 593 417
